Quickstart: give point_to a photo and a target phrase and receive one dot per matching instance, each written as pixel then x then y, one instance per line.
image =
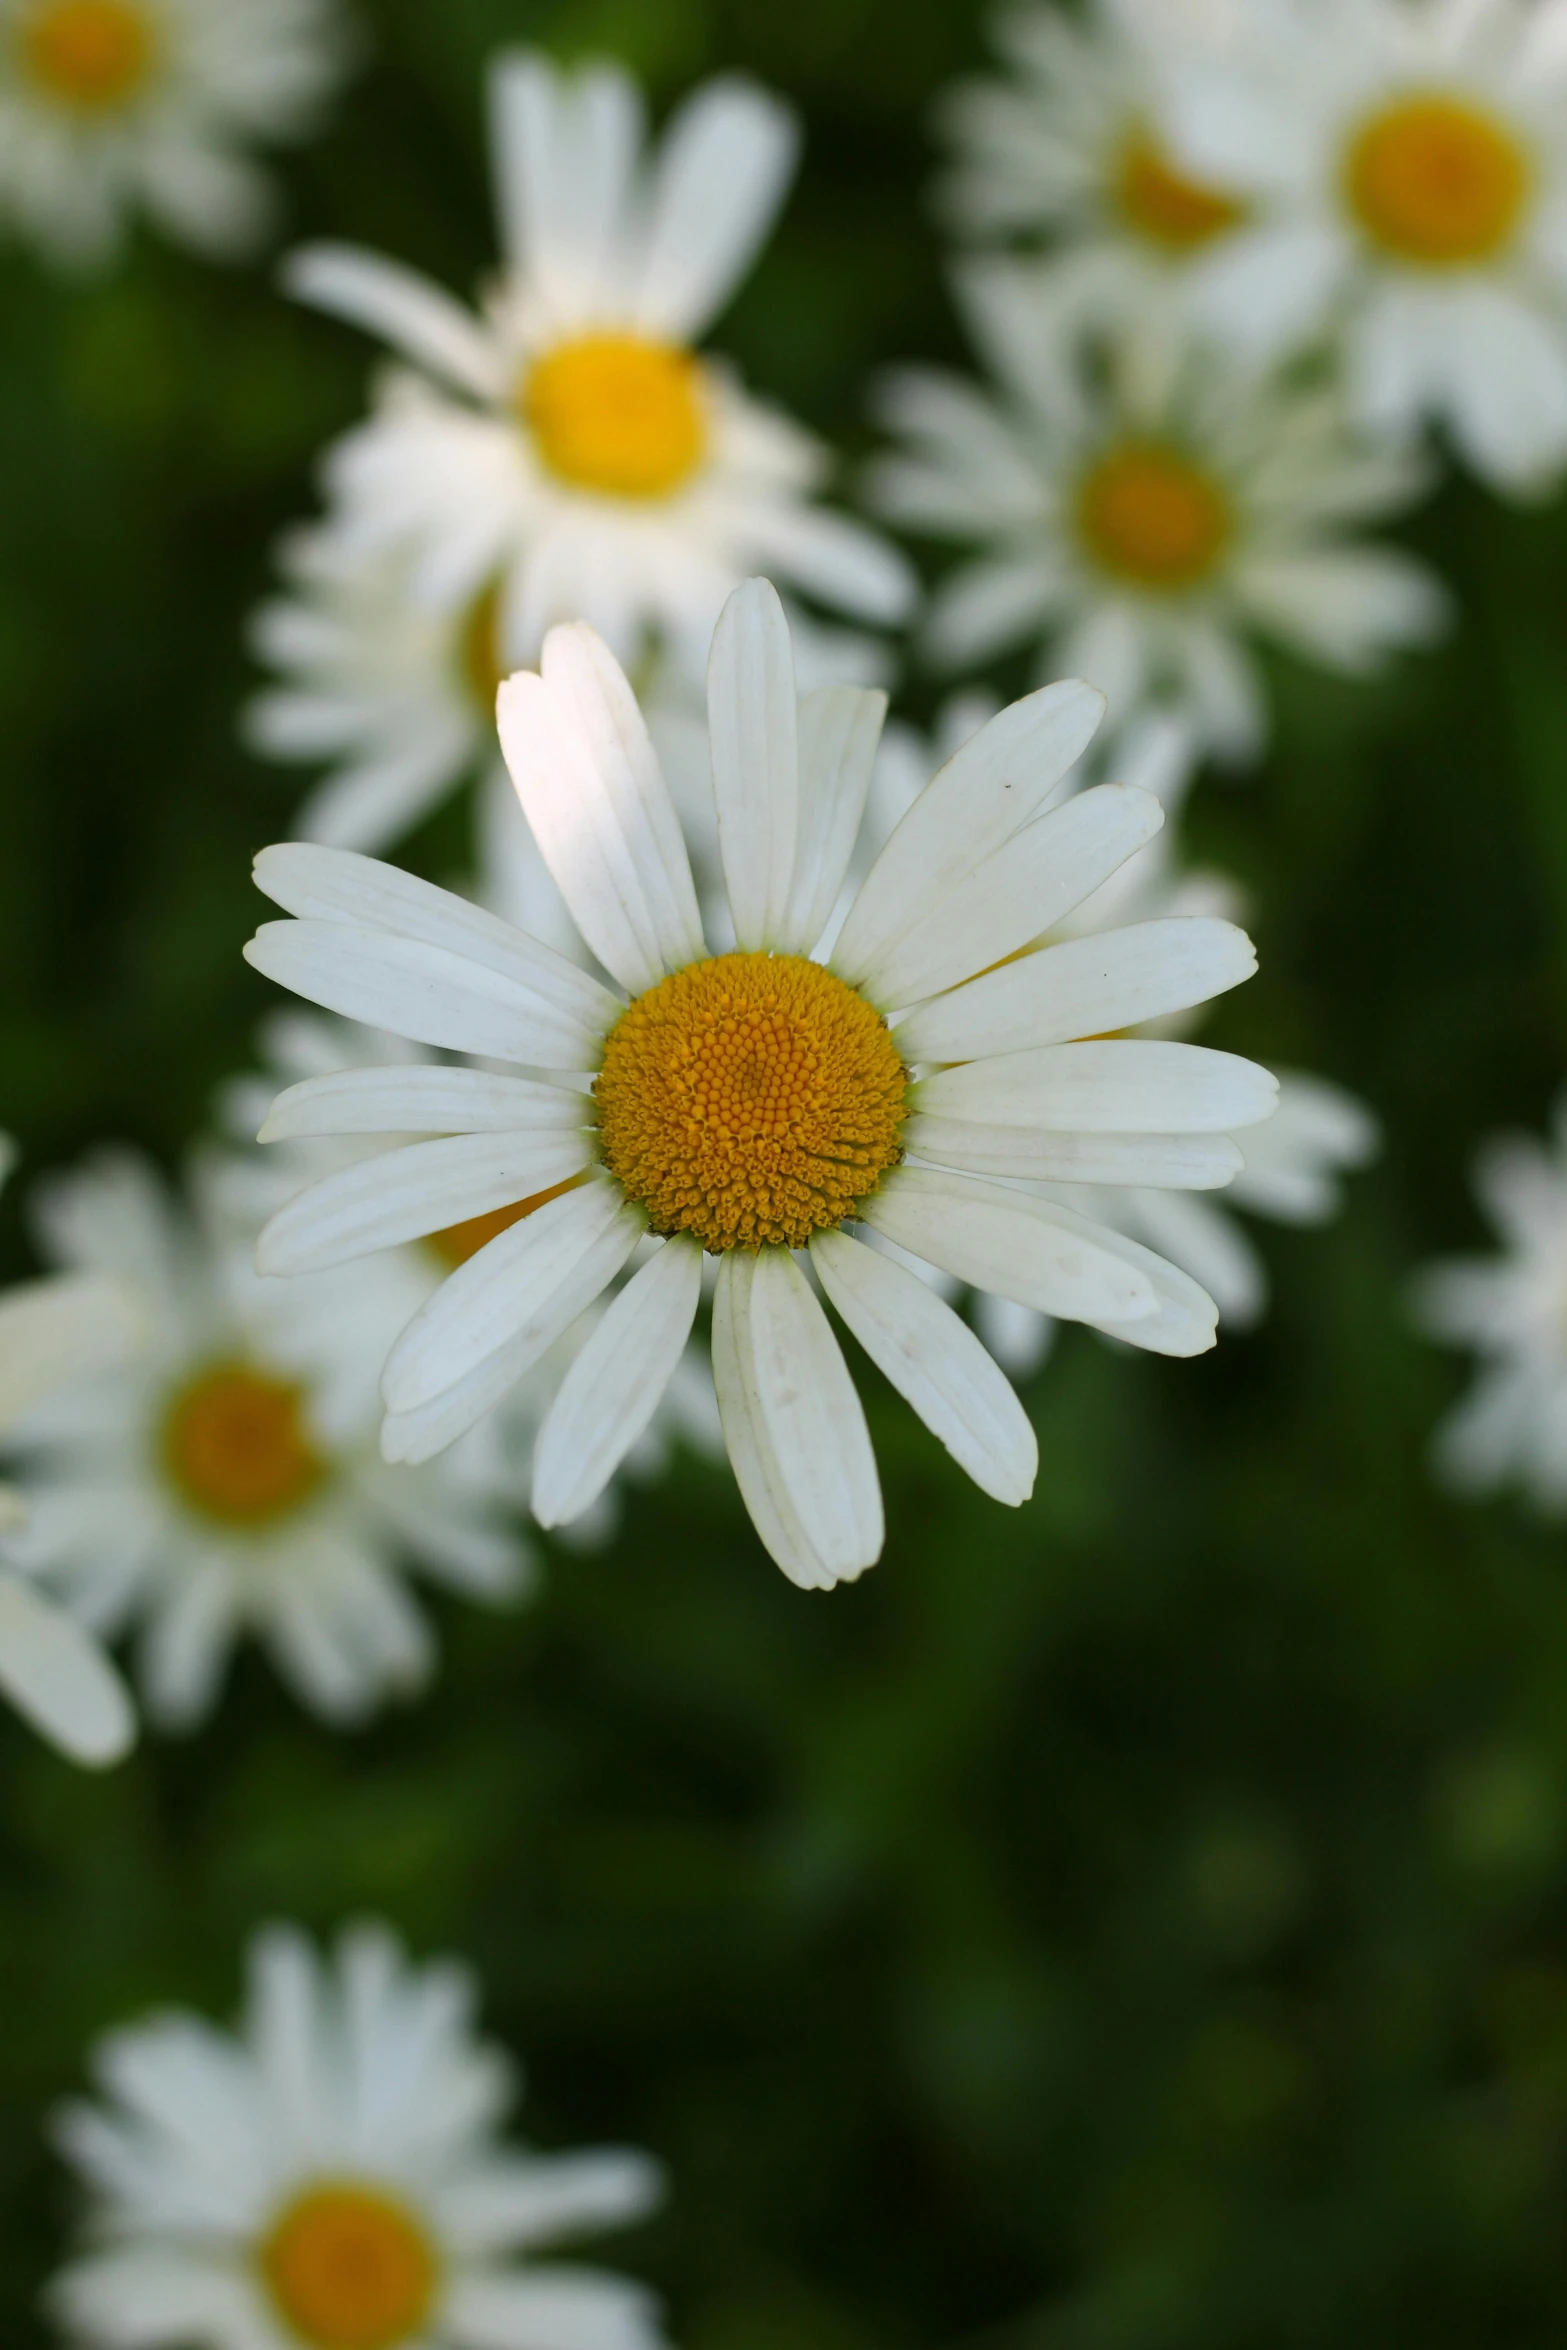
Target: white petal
pixel 405 309
pixel 555 2308
pixel 756 1468
pixel 403 1194
pixel 935 1362
pixel 564 151
pixel 1206 1242
pixel 1175 1162
pixel 725 163
pixel 1127 1085
pixel 56 1331
pixel 591 788
pixel 987 791
pixel 521 1290
pixel 58 1676
pixel 756 760
pixel 616 1383
pixel 840 732
pixel 520 2201
pixel 1024 889
pixel 1083 988
pixel 420 1100
pixel 1021 1247
pixel 142 2297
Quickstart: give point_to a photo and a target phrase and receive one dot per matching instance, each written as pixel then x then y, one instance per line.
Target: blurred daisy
pixel 53 1334
pixel 756 1103
pixel 226 1480
pixel 1145 521
pixel 332 2175
pixel 1512 1310
pixel 1404 164
pixel 567 452
pixel 112 106
pixel 1069 145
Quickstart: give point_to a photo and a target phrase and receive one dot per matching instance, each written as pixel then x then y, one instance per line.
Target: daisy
pixel 225 1480
pixel 1070 146
pixel 568 452
pixel 53 1334
pixel 1512 1310
pixel 110 106
pixel 1143 521
pixel 331 2175
pixel 1404 165
pixel 758 1103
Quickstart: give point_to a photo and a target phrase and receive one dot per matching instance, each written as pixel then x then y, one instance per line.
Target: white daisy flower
pixel 1069 146
pixel 1143 520
pixel 1512 1310
pixel 226 1481
pixel 108 107
pixel 567 452
pixel 758 1103
pixel 54 1334
pixel 331 2176
pixel 1404 163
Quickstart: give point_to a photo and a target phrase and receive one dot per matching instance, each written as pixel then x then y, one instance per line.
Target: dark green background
pixel 1129 1924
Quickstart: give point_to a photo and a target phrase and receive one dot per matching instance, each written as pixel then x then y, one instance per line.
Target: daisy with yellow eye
pixel 1142 510
pixel 569 452
pixel 331 2176
pixel 1404 164
pixel 1069 147
pixel 110 107
pixel 758 1105
pixel 224 1480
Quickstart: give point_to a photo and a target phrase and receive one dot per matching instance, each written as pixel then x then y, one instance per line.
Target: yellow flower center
pixel 1151 515
pixel 1156 198
pixel 236 1446
pixel 92 54
pixel 479 657
pixel 1434 181
pixel 750 1100
pixel 349 2269
pixel 618 414
pixel 458 1242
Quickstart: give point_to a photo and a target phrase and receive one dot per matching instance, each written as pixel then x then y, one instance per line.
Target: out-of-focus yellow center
pixel 458 1242
pixel 1156 199
pixel 236 1446
pixel 92 54
pixel 349 2269
pixel 618 414
pixel 750 1100
pixel 1151 515
pixel 1434 181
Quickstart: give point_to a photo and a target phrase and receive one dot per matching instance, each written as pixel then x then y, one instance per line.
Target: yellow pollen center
pixel 93 54
pixel 349 2269
pixel 750 1100
pixel 1436 182
pixel 1157 200
pixel 236 1446
pixel 618 414
pixel 458 1242
pixel 480 661
pixel 1150 515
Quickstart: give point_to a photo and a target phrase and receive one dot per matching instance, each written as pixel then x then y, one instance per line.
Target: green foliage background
pixel 1130 1924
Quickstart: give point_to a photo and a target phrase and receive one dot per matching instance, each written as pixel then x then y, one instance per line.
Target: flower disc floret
pixel 348 2268
pixel 750 1100
pixel 90 54
pixel 618 413
pixel 1161 204
pixel 236 1447
pixel 1437 182
pixel 1149 514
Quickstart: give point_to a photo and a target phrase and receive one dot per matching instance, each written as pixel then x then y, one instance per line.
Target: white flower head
pixel 1405 167
pixel 331 2176
pixel 108 107
pixel 757 1104
pixel 1511 1309
pixel 1142 519
pixel 568 452
pixel 54 1334
pixel 224 1480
